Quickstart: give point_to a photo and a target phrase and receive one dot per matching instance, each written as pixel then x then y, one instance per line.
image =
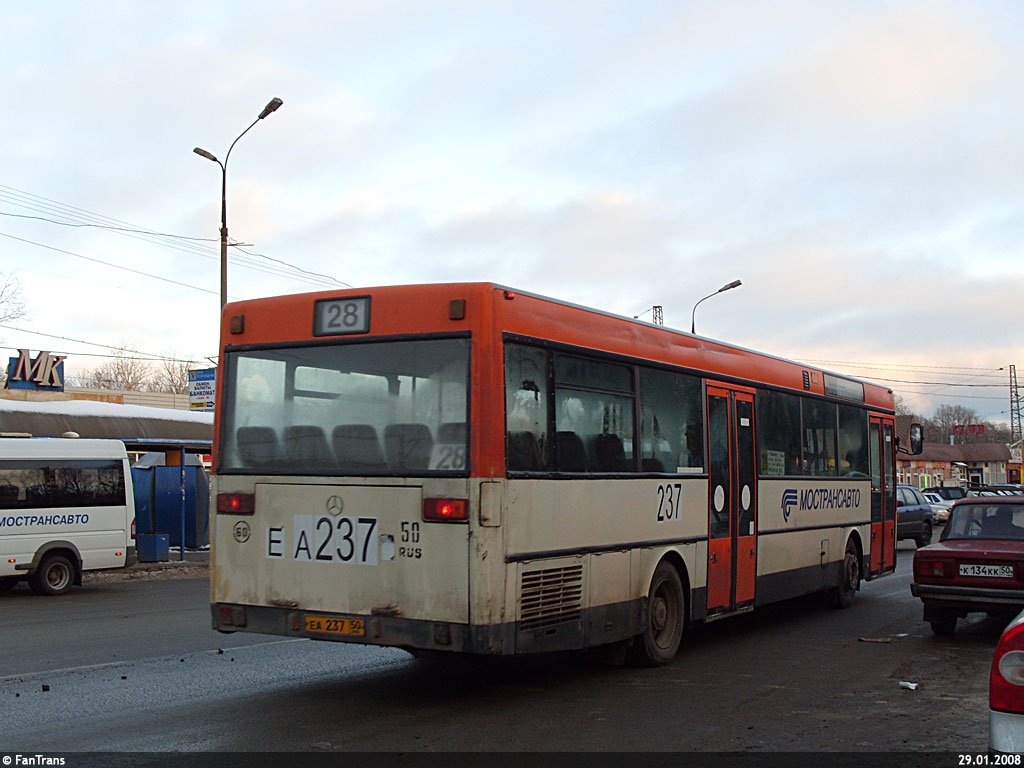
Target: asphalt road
pixel 133 666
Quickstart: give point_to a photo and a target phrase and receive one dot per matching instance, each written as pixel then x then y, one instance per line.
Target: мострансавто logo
pixel 819 498
pixel 789 500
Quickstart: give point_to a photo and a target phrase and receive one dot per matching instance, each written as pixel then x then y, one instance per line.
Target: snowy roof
pixel 95 419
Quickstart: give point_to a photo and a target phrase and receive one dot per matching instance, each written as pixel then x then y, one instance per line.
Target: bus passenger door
pixel 732 499
pixel 883 497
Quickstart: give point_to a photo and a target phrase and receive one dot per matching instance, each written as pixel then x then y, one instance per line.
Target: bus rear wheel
pixel 664 619
pixel 54 576
pixel 850 579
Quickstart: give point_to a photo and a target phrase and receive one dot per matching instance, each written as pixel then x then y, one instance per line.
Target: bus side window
pixel 526 408
pixel 671 422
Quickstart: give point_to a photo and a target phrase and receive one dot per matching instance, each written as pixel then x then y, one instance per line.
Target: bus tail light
pixel 231 616
pixel 236 503
pixel 133 529
pixel 1006 678
pixel 445 510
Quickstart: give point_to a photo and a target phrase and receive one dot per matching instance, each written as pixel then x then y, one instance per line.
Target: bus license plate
pixel 991 571
pixel 332 625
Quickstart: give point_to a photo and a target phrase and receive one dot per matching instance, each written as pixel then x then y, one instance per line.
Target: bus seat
pixel 358 448
pixel 452 432
pixel 609 454
pixel 257 446
pixel 569 452
pixel 305 447
pixel 523 452
pixel 652 465
pixel 408 446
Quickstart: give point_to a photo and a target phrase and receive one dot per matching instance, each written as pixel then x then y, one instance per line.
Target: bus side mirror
pixel 915 436
pixel 916 439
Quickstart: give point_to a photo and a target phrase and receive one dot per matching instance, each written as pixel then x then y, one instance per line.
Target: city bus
pixel 475 469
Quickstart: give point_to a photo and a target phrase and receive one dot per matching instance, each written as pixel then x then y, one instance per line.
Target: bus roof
pixel 60 448
pixel 427 308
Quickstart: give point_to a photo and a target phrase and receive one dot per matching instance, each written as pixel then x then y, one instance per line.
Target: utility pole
pixel 1015 407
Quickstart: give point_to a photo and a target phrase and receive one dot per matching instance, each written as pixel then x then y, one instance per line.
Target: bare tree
pixel 171 376
pixel 122 372
pixel 902 409
pixel 12 303
pixel 12 307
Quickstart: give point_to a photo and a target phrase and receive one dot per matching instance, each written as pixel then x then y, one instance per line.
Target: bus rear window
pixel 387 408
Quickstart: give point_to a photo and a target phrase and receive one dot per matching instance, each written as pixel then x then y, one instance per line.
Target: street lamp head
pixel 272 106
pixel 203 153
pixel 726 287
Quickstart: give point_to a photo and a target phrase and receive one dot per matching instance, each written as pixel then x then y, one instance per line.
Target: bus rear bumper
pixel 582 629
pixel 391 631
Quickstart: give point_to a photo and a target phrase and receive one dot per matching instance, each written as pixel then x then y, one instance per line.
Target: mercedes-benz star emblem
pixel 335 505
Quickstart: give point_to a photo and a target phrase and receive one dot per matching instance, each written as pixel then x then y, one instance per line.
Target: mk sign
pixel 45 372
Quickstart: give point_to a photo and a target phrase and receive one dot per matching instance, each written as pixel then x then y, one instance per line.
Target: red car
pixel 977 564
pixel 1006 691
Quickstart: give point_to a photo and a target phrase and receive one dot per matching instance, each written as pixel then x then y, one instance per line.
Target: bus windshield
pixel 383 408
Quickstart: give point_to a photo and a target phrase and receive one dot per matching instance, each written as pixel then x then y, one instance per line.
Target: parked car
pixel 914 519
pixel 977 564
pixel 948 492
pixel 1006 691
pixel 940 506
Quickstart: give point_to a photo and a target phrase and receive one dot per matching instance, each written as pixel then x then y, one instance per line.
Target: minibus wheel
pixel 54 576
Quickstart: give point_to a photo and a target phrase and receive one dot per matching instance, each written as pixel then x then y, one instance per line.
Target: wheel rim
pixel 58 576
pixel 852 573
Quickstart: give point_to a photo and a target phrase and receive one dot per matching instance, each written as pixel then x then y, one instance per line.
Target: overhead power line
pixel 194 245
pixel 109 264
pixel 151 355
pixel 906 367
pixel 938 383
pixel 107 227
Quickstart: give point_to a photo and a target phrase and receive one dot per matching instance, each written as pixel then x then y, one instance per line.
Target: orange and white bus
pixel 469 468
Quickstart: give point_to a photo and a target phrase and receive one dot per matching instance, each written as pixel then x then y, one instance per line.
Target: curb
pixel 192 558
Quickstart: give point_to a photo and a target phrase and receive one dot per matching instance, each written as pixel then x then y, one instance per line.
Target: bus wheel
pixel 850 579
pixel 664 619
pixel 54 576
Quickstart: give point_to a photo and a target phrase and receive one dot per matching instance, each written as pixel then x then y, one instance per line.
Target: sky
pixel 856 165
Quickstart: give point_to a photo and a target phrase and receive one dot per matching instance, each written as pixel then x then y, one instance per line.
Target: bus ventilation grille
pixel 550 597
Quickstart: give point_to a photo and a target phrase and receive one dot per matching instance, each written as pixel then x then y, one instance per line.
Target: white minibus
pixel 66 506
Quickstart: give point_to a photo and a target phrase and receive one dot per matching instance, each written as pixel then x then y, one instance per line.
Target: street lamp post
pixel 271 107
pixel 726 287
